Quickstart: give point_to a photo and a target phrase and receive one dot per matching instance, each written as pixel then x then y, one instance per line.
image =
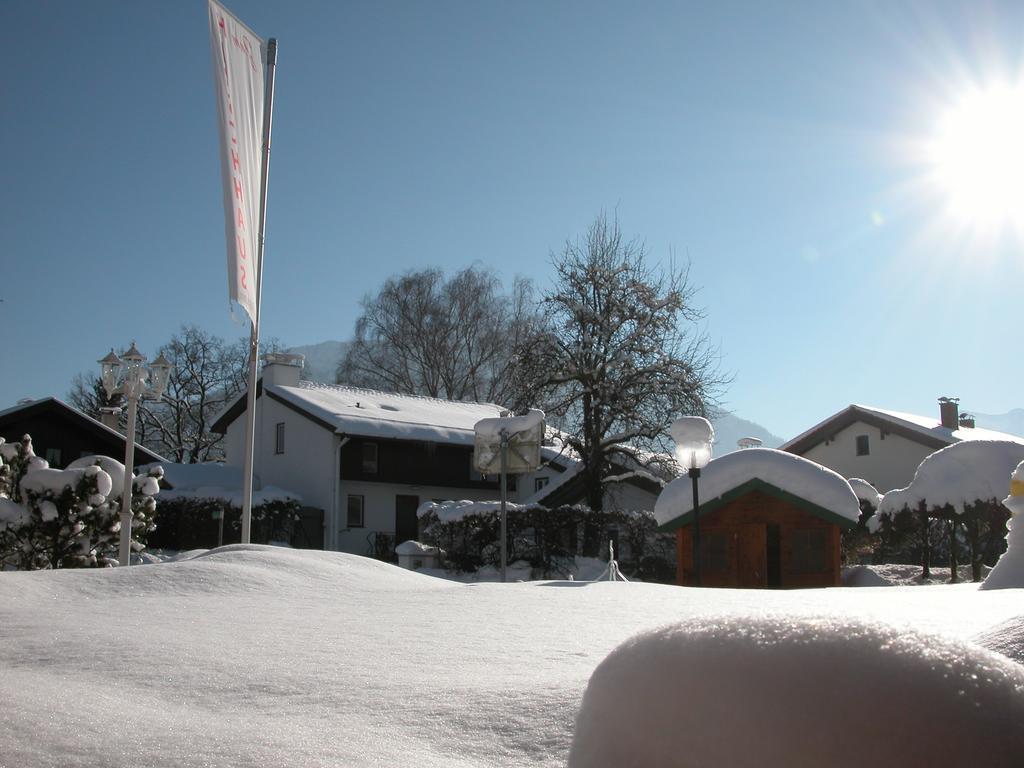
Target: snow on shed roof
pixel 787 472
pixel 959 474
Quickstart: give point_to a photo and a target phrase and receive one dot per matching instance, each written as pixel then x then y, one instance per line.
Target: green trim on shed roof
pixel 757 484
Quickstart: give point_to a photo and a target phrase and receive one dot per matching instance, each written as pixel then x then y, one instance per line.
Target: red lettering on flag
pixel 235 163
pixel 238 189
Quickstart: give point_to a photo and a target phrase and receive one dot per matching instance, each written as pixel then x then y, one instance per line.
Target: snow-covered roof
pixel 212 480
pixel 927 429
pixel 787 472
pixel 369 413
pixel 959 474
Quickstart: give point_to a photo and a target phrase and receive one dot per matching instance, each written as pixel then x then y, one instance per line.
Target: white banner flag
pixel 238 59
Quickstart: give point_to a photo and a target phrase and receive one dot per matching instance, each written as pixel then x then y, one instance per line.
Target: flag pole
pixel 254 337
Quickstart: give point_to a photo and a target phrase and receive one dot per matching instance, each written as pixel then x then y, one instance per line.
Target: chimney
pixel 282 369
pixel 949 412
pixel 110 417
pixel 966 421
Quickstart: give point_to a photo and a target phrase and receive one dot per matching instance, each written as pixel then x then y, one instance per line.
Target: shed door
pixel 406 522
pixel 751 556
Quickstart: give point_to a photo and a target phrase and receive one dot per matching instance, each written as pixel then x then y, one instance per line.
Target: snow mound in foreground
pixel 778 691
pixel 1006 638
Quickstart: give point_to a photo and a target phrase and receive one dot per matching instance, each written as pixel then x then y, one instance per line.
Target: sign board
pixel 524 434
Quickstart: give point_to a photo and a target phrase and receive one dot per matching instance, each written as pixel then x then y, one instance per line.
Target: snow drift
pixel 779 692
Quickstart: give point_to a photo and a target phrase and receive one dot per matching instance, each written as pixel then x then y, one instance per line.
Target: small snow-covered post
pixel 131 377
pixel 1009 570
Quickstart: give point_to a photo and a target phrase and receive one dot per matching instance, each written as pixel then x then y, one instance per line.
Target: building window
pixel 53 457
pixel 540 482
pixel 863 449
pixel 279 437
pixel 370 458
pixel 714 552
pixel 511 483
pixel 808 550
pixel 355 511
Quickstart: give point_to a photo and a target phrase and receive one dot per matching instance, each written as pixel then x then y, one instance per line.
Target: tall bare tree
pixel 207 372
pixel 452 338
pixel 620 353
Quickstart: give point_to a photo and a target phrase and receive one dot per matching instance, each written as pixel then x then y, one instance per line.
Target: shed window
pixel 808 550
pixel 370 458
pixel 279 437
pixel 355 511
pixel 863 448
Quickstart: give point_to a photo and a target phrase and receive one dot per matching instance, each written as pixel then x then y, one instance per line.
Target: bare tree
pixel 620 354
pixel 453 339
pixel 207 372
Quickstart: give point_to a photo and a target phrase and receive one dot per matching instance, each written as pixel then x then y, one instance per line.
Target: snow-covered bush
pixel 860 542
pixel 548 539
pixel 53 518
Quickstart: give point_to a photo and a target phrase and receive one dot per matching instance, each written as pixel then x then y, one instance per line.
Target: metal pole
pixel 254 338
pixel 694 473
pixel 131 390
pixel 504 496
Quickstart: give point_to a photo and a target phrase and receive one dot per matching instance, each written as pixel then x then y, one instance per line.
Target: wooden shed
pixel 767 520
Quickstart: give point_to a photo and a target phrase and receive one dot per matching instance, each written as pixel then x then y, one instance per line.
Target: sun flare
pixel 977 158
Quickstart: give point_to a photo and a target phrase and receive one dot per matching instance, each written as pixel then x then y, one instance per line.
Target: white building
pixel 885 447
pixel 369 458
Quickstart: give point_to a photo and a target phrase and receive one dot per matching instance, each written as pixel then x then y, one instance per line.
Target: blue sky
pixel 776 145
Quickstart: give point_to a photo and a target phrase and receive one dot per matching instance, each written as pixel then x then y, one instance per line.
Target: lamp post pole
pixel 124 553
pixel 694 437
pixel 504 500
pixel 136 380
pixel 694 473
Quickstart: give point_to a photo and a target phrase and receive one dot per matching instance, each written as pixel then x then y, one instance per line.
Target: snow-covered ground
pixel 249 655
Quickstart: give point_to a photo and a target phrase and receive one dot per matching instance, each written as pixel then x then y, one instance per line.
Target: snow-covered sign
pixel 524 434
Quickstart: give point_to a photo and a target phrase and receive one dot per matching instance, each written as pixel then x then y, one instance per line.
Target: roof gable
pixel 925 431
pixel 756 484
pixel 41 407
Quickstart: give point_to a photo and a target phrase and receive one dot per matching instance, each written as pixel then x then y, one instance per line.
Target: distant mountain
pixel 321 359
pixel 1012 423
pixel 729 428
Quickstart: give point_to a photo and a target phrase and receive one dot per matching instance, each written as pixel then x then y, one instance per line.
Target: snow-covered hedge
pixel 548 539
pixel 192 522
pixel 66 518
pixel 954 502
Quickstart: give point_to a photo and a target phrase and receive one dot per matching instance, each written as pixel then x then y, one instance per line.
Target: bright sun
pixel 977 158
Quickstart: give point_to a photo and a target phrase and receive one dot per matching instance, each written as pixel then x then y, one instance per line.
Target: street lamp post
pixel 131 377
pixel 694 436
